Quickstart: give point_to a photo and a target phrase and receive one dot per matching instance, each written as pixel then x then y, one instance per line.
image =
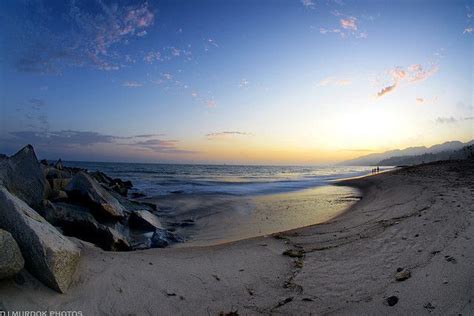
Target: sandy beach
pixel 417 220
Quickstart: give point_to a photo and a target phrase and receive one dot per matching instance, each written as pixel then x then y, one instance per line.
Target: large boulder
pixel 11 260
pixel 85 190
pixel 49 256
pixel 21 174
pixel 144 220
pixel 75 220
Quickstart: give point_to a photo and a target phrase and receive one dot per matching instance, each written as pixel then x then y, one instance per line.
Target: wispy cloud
pixel 310 4
pixel 420 100
pixel 211 104
pixel 71 138
pixel 469 15
pixel 89 35
pixel 334 81
pixel 401 76
pixel 226 134
pixel 132 84
pixel 446 120
pixel 152 56
pixel 387 90
pixel 243 83
pixel 349 23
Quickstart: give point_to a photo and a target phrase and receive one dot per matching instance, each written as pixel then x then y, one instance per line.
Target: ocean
pixel 228 202
pixel 244 180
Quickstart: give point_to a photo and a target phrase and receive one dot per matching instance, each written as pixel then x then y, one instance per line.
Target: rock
pixel 21 174
pixel 11 260
pixel 49 256
pixel 162 238
pixel 402 275
pixel 44 162
pixel 391 300
pixel 59 184
pixel 102 178
pixel 53 173
pixel 144 220
pixel 294 253
pixel 116 240
pixel 59 164
pixel 84 189
pixel 76 221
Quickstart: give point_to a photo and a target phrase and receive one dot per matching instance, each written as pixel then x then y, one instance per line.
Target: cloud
pixel 420 100
pixel 310 4
pixel 418 73
pixel 226 134
pixel 161 146
pixel 153 56
pixel 59 140
pixel 412 74
pixel 76 34
pixel 349 23
pixel 386 90
pixel 334 81
pixel 326 31
pixel 348 26
pixel 37 103
pixel 132 84
pixel 446 120
pixel 243 83
pixel 211 104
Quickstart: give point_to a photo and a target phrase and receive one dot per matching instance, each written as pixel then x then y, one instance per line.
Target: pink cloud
pixel 349 23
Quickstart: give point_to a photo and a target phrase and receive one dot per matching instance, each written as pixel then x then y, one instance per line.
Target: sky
pixel 238 82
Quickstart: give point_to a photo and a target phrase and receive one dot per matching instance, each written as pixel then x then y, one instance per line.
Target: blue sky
pixel 279 82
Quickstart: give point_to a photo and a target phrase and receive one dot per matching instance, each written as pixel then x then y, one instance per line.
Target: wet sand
pixel 205 220
pixel 417 219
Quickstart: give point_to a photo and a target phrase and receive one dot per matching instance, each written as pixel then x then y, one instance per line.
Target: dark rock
pixel 11 260
pixel 53 173
pixel 102 178
pixel 84 189
pixel 48 255
pixel 116 240
pixel 391 300
pixel 76 221
pixel 59 164
pixel 162 238
pixel 402 275
pixel 21 174
pixel 294 253
pixel 44 162
pixel 144 220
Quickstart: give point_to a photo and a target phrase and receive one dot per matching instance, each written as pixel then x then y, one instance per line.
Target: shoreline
pixel 418 219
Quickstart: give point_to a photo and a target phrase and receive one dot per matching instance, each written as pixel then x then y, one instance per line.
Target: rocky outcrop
pixel 21 174
pixel 84 189
pixel 117 185
pixel 11 260
pixel 144 220
pixel 49 256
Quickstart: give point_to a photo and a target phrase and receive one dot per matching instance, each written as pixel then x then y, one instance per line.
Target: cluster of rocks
pixel 41 203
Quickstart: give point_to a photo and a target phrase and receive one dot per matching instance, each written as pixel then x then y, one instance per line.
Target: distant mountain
pixel 466 152
pixel 375 159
